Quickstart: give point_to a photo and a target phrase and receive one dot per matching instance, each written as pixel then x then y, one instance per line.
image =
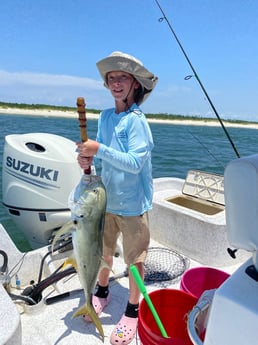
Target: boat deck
pixel 53 324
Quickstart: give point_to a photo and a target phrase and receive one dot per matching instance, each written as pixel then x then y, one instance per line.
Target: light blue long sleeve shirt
pixel 125 151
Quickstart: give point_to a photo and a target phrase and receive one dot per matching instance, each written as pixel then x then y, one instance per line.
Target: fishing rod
pixel 197 78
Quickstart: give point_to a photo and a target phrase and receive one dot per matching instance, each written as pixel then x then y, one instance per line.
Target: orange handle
pixel 81 109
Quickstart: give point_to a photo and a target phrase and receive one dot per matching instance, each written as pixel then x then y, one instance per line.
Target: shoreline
pixel 74 114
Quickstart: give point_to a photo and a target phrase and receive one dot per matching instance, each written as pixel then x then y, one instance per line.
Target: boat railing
pixel 198 317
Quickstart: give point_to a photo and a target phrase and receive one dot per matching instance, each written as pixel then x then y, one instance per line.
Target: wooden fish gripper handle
pixel 81 109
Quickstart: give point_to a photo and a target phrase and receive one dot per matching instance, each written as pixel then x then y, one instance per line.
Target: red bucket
pixel 172 306
pixel 199 279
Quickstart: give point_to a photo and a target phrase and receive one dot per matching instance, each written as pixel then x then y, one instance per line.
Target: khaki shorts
pixel 135 236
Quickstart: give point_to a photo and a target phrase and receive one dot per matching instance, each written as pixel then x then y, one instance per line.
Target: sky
pixel 49 50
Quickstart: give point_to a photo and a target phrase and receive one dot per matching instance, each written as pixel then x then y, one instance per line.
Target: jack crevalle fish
pixel 88 205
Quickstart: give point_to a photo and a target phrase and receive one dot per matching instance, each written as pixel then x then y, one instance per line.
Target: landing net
pixel 164 266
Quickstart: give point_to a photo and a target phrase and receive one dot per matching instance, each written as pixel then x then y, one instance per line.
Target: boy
pixel 124 144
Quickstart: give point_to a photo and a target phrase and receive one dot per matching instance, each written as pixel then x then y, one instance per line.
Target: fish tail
pixel 87 309
pixel 70 261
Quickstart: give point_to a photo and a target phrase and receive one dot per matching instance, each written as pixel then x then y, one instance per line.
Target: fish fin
pixel 87 309
pixel 65 229
pixel 70 261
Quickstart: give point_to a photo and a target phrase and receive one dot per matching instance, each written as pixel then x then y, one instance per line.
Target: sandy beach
pixel 73 114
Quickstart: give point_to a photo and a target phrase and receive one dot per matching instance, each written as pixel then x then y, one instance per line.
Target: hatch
pixel 202 192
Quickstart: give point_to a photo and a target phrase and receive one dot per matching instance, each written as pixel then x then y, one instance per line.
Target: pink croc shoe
pixel 99 304
pixel 124 331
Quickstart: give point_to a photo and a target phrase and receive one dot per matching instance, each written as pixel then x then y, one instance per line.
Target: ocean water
pixel 178 148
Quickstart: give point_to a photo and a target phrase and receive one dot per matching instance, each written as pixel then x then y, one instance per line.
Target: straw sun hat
pixel 118 61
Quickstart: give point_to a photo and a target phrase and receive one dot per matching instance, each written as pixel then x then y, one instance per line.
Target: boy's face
pixel 121 85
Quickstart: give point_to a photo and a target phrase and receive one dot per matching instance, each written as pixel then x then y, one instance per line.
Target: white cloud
pixel 28 87
pixel 41 79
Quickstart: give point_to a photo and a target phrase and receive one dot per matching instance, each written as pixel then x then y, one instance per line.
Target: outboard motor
pixel 39 172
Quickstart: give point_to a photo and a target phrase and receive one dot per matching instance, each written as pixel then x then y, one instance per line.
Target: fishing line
pixel 19 263
pixel 206 148
pixel 197 78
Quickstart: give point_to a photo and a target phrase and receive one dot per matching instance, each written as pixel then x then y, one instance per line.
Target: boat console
pixel 233 315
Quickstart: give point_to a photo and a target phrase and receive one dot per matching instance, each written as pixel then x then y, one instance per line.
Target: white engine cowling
pixel 39 172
